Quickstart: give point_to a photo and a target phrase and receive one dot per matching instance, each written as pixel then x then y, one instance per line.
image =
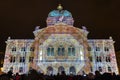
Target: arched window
pixel 50 51
pixel 71 51
pixel 61 51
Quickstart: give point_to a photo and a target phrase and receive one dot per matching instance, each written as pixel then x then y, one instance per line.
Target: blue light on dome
pixel 56 13
pixel 66 13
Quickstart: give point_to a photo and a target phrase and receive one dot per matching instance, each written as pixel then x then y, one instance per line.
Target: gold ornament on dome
pixel 59 7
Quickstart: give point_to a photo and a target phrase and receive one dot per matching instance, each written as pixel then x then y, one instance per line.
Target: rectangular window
pixel 13 59
pixel 73 51
pixel 13 49
pixel 48 52
pixel 21 69
pixel 108 59
pixel 109 69
pixel 23 49
pixel 106 49
pixel 30 59
pixel 97 48
pixel 52 51
pixel 22 59
pixel 10 59
pixel 98 59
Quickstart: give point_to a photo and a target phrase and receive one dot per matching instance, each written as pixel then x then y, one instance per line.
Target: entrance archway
pixel 49 70
pixel 61 69
pixel 72 70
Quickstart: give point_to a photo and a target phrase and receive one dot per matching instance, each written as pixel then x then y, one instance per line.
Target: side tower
pixel 103 55
pixel 18 55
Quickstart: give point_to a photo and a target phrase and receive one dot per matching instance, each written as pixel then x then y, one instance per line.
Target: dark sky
pixel 18 18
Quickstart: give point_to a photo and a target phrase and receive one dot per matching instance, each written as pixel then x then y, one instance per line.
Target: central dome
pixel 59 12
pixel 59 16
pixel 56 13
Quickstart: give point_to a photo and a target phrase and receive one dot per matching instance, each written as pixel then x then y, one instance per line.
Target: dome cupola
pixel 59 16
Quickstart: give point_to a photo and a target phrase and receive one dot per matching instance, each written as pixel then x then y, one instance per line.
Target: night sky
pixel 18 18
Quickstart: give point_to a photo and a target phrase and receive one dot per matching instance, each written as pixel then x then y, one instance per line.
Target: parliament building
pixel 60 47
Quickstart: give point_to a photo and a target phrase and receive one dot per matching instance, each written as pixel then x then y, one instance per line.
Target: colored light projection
pixel 60 47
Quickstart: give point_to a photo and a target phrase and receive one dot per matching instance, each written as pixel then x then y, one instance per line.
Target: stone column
pixel 36 51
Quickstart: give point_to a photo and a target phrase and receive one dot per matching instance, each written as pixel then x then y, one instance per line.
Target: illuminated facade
pixel 60 47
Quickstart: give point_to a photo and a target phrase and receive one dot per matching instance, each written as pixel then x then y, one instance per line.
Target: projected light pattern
pixel 60 46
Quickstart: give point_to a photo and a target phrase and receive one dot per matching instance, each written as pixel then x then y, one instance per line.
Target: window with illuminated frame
pixel 50 51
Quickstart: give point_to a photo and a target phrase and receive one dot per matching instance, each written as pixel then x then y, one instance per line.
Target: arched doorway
pixel 49 70
pixel 72 70
pixel 61 69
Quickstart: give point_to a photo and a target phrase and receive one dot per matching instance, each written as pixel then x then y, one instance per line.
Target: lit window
pixel 61 51
pixel 82 58
pixel 50 51
pixel 71 51
pixel 40 57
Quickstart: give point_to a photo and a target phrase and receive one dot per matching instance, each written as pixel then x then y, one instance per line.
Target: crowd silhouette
pixel 34 75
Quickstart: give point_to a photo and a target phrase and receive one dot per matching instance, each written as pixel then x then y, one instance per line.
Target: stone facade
pixel 60 47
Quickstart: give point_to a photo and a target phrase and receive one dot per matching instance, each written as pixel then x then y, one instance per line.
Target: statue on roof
pixel 37 28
